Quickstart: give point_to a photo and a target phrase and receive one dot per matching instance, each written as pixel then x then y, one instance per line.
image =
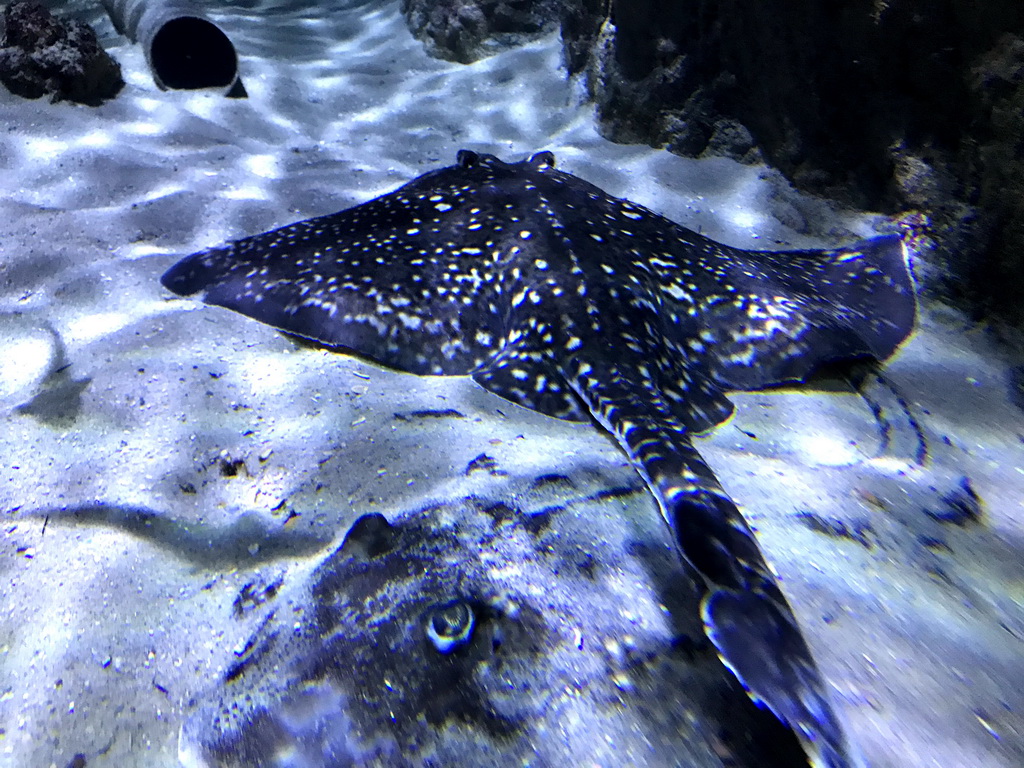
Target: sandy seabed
pixel 153 451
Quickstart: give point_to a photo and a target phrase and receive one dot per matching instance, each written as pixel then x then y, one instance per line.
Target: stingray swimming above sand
pixel 566 300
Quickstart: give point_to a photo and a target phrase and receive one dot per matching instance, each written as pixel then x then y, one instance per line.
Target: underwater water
pixel 190 499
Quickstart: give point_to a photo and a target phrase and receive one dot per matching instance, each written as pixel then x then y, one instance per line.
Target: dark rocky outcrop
pixel 990 159
pixel 41 54
pixel 467 30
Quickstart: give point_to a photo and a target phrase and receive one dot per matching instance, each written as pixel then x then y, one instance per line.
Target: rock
pixel 41 54
pixel 467 30
pixel 993 169
pixel 730 138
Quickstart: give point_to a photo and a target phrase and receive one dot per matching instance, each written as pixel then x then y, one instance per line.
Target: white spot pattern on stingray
pixel 564 299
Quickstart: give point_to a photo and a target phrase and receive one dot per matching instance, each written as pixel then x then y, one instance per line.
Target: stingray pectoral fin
pixel 865 289
pixel 891 296
pixel 223 281
pixel 335 310
pixel 792 311
pixel 197 272
pixel 757 640
pixel 225 277
pixel 276 303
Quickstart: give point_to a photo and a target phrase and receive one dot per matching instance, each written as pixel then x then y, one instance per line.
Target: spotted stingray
pixel 555 295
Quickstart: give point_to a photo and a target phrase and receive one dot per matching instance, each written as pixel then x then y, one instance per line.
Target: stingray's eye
pixel 543 160
pixel 467 158
pixel 450 625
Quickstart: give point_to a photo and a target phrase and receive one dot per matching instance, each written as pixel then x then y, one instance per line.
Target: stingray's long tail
pixel 745 615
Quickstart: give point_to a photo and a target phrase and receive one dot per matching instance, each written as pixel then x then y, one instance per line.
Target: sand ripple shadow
pixel 249 541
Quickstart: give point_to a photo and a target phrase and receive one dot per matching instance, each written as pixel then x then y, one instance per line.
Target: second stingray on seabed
pixel 559 297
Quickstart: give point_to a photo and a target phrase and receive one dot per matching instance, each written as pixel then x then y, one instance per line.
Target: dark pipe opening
pixel 189 53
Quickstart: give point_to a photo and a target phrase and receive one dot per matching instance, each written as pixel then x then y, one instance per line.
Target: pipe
pixel 184 49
